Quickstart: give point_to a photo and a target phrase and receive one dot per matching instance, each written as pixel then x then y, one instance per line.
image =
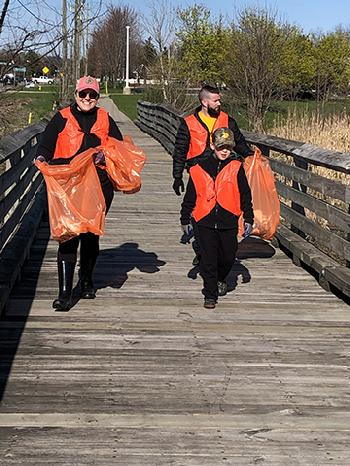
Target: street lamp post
pixel 127 89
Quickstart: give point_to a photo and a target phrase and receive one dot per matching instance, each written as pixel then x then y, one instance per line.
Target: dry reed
pixel 329 132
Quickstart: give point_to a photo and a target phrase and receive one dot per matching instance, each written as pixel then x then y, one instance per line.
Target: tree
pixel 203 45
pixel 298 65
pixel 149 55
pixel 160 26
pixel 27 28
pixel 255 60
pixel 332 55
pixel 107 50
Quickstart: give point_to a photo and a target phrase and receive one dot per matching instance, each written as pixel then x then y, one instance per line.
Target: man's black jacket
pixel 182 144
pixel 218 217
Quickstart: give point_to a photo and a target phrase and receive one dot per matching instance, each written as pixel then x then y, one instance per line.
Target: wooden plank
pixel 326 239
pixel 14 142
pixel 19 165
pixel 144 375
pixel 306 152
pixel 17 249
pixel 327 187
pixel 306 252
pixel 339 277
pixel 12 223
pixel 336 218
pixel 16 193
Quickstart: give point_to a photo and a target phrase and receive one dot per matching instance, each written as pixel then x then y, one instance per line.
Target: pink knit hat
pixel 87 82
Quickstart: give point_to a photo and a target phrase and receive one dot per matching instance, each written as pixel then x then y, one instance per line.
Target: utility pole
pixel 86 47
pixel 77 39
pixel 64 72
pixel 127 89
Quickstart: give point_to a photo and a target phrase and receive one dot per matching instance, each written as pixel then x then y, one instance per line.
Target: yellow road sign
pixel 45 70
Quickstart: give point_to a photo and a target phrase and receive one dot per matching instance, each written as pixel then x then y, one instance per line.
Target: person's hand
pixel 187 229
pixel 248 227
pixel 40 158
pixel 187 233
pixel 178 186
pixel 99 158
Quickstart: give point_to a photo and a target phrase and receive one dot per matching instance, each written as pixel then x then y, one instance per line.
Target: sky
pixel 310 15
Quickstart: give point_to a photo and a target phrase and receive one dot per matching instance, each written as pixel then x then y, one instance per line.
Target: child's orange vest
pixel 199 135
pixel 70 139
pixel 224 190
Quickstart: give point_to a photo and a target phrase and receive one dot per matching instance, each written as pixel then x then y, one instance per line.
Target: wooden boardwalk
pixel 144 375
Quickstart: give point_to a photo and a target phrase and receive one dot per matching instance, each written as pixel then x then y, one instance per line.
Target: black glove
pixel 187 233
pixel 247 229
pixel 99 158
pixel 178 186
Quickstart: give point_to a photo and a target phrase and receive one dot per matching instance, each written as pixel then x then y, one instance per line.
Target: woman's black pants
pixel 89 243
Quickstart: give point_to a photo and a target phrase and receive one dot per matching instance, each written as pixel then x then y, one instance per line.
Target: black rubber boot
pixel 86 284
pixel 65 284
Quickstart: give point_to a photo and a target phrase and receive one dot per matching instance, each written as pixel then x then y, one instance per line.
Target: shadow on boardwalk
pixel 111 271
pixel 253 247
pixel 114 264
pixel 12 327
pixel 249 248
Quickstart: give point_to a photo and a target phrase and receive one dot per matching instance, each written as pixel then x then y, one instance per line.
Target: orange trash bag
pixel 265 200
pixel 124 162
pixel 75 199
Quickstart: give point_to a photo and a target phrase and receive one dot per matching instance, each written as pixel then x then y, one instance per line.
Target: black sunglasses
pixel 93 94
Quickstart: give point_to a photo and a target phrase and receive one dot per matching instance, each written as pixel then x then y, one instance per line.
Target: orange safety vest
pixel 70 139
pixel 199 135
pixel 224 190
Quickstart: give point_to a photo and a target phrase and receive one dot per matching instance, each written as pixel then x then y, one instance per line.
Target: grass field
pixel 126 103
pixel 280 111
pixel 38 102
pixel 18 109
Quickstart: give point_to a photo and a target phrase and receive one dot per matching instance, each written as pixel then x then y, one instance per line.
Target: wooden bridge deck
pixel 143 375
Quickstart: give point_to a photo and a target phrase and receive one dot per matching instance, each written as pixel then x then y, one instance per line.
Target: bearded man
pixel 194 134
pixel 193 140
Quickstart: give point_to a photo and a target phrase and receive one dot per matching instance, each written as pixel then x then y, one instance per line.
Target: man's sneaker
pixel 209 303
pixel 222 288
pixel 196 260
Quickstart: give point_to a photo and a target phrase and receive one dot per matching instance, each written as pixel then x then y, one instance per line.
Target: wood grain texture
pixel 144 375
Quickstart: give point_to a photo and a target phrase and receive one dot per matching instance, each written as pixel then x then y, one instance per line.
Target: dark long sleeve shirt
pixel 182 143
pixel 86 120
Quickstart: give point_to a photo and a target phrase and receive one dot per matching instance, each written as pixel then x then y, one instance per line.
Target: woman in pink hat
pixel 71 131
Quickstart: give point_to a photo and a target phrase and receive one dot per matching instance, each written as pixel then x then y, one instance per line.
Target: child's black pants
pixel 218 252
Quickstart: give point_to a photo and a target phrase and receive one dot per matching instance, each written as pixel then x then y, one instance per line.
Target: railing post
pixel 265 150
pixel 299 187
pixel 348 237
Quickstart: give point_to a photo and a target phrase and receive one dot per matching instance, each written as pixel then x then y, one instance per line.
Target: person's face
pixel 86 99
pixel 223 153
pixel 212 104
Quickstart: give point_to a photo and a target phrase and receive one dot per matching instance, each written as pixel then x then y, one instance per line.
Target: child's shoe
pixel 222 288
pixel 209 303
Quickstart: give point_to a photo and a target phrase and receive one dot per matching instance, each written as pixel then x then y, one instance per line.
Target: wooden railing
pixel 22 202
pixel 314 190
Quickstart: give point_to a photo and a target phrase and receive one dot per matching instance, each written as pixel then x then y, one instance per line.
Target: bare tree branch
pixel 3 14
